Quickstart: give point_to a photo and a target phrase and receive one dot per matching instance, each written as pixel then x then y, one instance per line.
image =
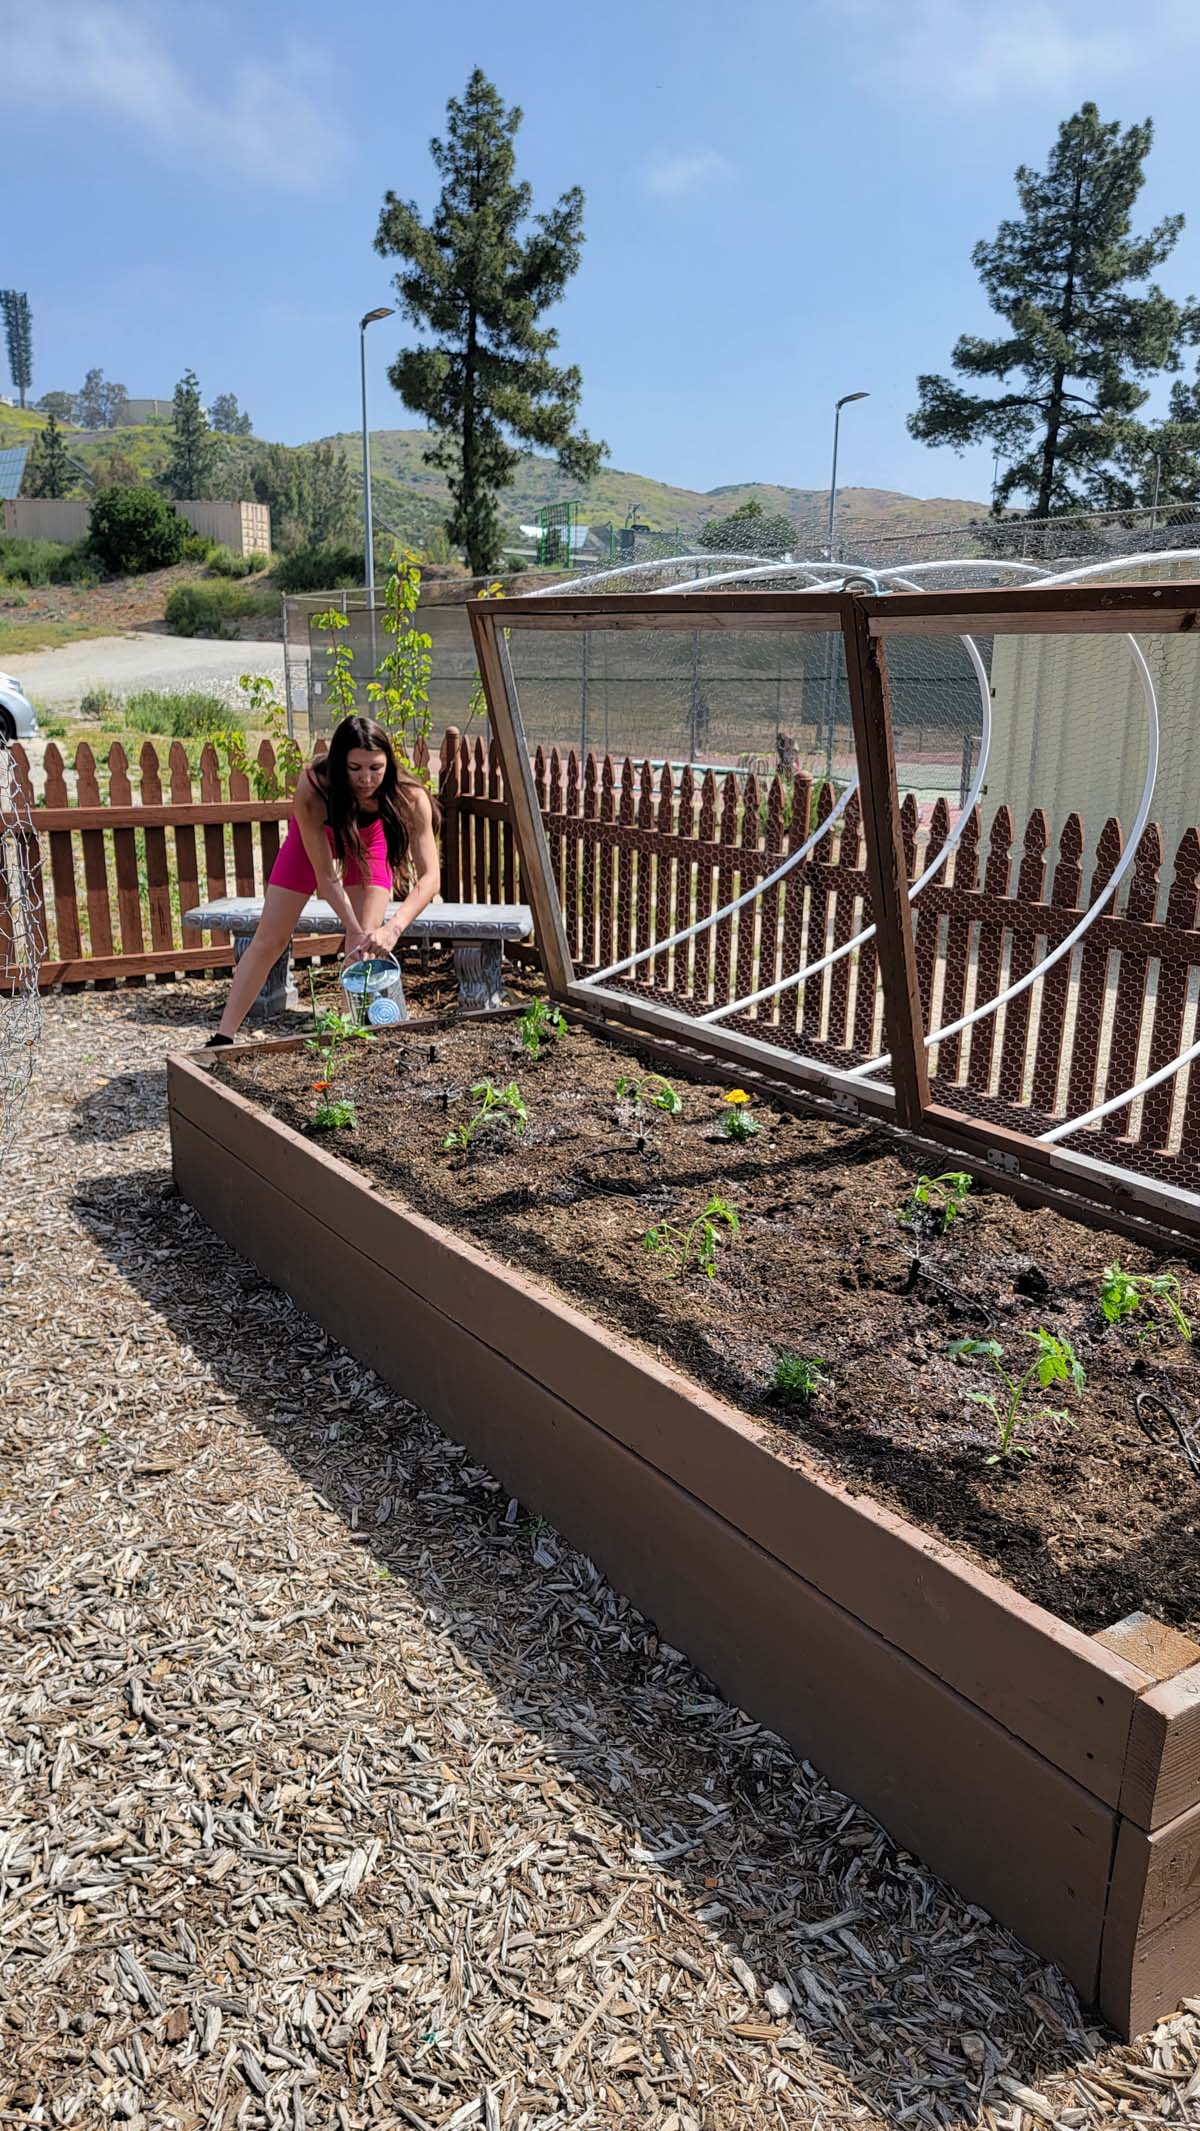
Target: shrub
pixel 52 728
pixel 102 703
pixel 224 563
pixel 188 716
pixel 135 529
pixel 209 610
pixel 320 569
pixel 43 562
pixel 197 547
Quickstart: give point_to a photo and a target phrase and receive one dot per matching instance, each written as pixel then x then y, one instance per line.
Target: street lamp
pixel 1157 491
pixel 384 311
pixel 837 416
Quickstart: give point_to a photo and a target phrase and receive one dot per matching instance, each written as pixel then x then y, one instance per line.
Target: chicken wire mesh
pixel 22 947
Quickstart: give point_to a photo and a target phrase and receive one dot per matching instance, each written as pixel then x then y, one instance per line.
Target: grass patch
pixel 17 638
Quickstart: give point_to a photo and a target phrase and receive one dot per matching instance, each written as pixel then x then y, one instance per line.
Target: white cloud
pixel 108 57
pixel 671 176
pixel 974 53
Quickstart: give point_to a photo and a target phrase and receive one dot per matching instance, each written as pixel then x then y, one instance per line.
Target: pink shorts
pixel 293 867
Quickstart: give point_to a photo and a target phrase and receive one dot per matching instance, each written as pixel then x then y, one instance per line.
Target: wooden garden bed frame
pixel 1050 1775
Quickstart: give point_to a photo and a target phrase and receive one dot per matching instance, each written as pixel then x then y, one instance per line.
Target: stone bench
pixel 476 931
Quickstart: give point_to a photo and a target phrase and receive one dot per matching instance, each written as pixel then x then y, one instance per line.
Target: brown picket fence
pixel 639 851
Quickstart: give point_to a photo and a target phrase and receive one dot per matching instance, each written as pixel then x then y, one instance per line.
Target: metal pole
pixel 368 530
pixel 830 687
pixel 1157 488
pixel 837 417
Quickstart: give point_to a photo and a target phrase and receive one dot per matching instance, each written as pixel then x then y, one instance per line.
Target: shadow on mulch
pixel 534 1666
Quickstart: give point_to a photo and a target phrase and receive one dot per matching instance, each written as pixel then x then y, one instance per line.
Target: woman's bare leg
pixel 369 904
pixel 281 909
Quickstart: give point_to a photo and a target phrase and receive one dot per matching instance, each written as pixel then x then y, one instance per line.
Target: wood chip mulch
pixel 337 1791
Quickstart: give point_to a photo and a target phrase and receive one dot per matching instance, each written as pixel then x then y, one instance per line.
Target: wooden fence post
pixel 870 711
pixel 448 800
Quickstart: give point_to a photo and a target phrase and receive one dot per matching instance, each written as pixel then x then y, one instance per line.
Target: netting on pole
pixel 22 946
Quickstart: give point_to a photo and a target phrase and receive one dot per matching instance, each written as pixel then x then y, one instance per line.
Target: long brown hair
pixel 393 799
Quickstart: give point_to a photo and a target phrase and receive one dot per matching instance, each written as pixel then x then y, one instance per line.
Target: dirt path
pixel 335 1792
pixel 55 680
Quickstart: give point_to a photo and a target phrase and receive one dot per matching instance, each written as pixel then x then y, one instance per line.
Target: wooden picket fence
pixel 639 852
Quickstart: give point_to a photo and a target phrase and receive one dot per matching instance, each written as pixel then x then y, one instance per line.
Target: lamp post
pixel 831 683
pixel 385 311
pixel 1157 491
pixel 837 417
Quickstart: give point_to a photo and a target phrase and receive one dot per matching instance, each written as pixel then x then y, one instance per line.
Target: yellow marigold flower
pixel 736 1095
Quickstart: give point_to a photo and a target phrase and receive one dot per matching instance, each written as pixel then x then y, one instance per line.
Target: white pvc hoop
pixel 1118 1102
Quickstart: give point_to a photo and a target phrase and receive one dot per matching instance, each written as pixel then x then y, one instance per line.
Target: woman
pixel 356 809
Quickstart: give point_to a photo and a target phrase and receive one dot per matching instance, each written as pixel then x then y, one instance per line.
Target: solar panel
pixel 12 467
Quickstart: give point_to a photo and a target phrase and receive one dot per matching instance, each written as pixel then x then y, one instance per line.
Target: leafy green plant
pixel 210 609
pixel 797 1378
pixel 133 528
pixel 539 1024
pixel 936 1201
pixel 400 689
pixel 265 714
pixel 186 715
pixel 739 1121
pixel 102 703
pixel 696 1243
pixel 326 568
pixel 334 1117
pixel 44 562
pixel 506 1104
pixel 223 562
pixel 653 1090
pixel 340 687
pixel 1054 1362
pixel 1124 1294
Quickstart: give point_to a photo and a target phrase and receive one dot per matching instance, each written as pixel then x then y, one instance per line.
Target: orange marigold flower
pixel 320 1087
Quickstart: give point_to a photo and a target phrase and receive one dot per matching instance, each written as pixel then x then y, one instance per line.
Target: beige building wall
pixel 1069 734
pixel 244 527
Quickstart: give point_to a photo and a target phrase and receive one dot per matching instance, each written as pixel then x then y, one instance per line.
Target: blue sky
pixel 781 198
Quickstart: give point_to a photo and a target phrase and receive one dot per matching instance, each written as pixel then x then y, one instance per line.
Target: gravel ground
pixel 55 680
pixel 334 1791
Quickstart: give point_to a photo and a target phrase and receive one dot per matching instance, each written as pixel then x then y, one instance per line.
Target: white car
pixel 18 718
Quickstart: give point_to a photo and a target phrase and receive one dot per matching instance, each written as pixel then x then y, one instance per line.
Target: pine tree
pixel 226 416
pixel 1063 277
pixel 477 283
pixel 48 472
pixel 18 332
pixel 191 457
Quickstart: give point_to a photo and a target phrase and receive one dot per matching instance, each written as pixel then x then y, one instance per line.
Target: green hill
pixel 412 499
pixel 397 455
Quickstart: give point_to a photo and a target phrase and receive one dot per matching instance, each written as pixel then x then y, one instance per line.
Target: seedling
pixel 653 1090
pixel 739 1121
pixel 506 1104
pixel 937 1201
pixel 797 1378
pixel 537 1025
pixel 334 1117
pixel 1123 1294
pixel 697 1243
pixel 1053 1363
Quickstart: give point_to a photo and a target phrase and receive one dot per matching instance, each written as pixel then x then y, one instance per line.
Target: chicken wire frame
pixel 1045 1169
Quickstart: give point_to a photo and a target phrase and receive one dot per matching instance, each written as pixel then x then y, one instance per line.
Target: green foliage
pixel 60 404
pixel 539 1024
pixel 192 447
pixel 44 562
pixel 265 714
pixel 399 693
pixel 504 1105
pixel 135 529
pixel 1124 1295
pixel 189 715
pixel 308 490
pixel 750 530
pixel 227 418
pixel 102 703
pixel 48 471
pixel 739 1121
pixel 697 1243
pixel 476 289
pixel 340 688
pixel 210 609
pixel 18 333
pixel 99 403
pixel 651 1089
pixel 796 1379
pixel 1054 1362
pixel 1077 337
pixel 319 569
pixel 333 1031
pixel 334 1117
pixel 936 1202
pixel 224 563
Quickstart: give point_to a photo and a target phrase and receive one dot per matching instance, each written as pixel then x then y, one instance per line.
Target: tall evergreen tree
pixel 477 281
pixel 191 457
pixel 227 417
pixel 18 332
pixel 1064 279
pixel 48 471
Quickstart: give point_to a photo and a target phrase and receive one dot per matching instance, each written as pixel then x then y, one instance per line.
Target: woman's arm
pixel 309 815
pixel 424 850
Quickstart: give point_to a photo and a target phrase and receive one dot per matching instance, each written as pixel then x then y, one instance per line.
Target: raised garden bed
pixel 830 1564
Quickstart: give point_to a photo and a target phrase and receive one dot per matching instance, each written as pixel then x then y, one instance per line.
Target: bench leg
pixel 279 993
pixel 479 967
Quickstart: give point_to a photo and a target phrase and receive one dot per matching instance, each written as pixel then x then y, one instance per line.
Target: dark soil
pixel 1100 1520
